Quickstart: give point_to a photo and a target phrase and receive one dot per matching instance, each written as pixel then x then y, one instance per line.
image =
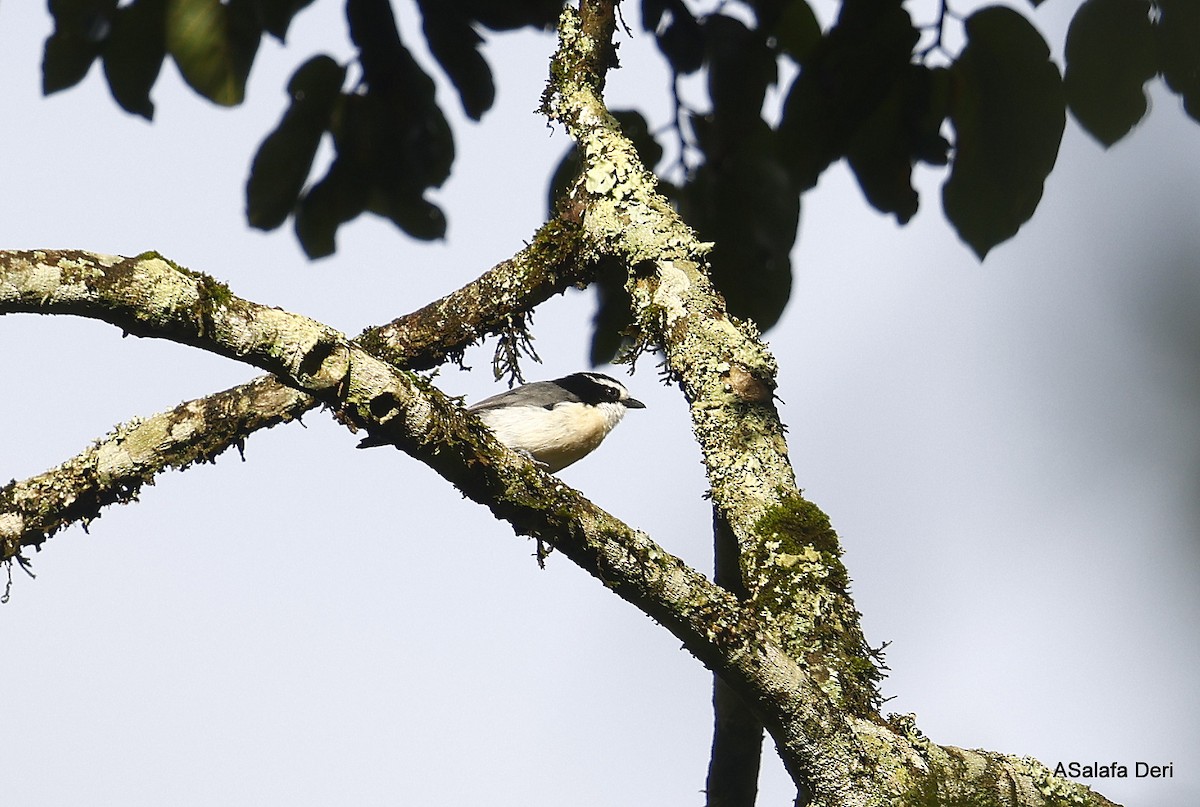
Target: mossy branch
pixel 114 468
pixel 838 758
pixel 725 370
pixel 836 747
pixel 550 264
pixel 199 430
pixel 152 297
pixel 790 647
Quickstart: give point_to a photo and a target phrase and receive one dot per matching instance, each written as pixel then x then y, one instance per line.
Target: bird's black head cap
pixel 593 388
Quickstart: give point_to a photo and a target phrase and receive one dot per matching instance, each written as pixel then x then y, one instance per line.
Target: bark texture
pixel 786 642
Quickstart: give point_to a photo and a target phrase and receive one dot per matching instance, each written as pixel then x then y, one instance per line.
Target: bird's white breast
pixel 554 437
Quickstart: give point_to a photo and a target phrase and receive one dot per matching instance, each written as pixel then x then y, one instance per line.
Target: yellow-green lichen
pixel 794 571
pixel 211 289
pixel 795 525
pixel 1054 789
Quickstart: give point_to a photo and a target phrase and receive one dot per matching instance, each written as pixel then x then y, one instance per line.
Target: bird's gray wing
pixel 539 393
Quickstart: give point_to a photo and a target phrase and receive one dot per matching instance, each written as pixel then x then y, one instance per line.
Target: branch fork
pixel 789 644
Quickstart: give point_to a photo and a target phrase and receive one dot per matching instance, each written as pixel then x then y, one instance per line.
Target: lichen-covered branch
pixel 728 377
pixel 790 648
pixel 549 265
pixel 199 430
pixel 727 374
pixel 152 297
pixel 115 468
pixel 836 747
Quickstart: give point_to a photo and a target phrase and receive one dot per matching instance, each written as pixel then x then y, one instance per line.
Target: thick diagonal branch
pixel 726 374
pixel 790 558
pixel 115 468
pixel 199 430
pixel 552 262
pixel 837 749
pixel 151 297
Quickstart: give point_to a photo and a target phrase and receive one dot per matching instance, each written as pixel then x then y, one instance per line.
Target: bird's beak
pixel 633 403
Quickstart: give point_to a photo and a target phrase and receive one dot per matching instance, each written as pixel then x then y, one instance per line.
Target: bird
pixel 558 422
pixel 555 423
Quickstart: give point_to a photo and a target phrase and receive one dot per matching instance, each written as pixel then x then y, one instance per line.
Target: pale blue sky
pixel 1009 452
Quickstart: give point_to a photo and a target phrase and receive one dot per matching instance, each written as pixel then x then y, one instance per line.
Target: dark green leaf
pixel 405 146
pixel 1110 56
pixel 337 198
pixel 415 215
pixel 399 120
pixel 393 136
pixel 285 157
pixel 1178 36
pixel 65 61
pixel 385 61
pixel 214 46
pixel 455 44
pixel 1008 115
pixel 879 156
pixel 134 54
pixel 791 24
pixel 881 163
pixel 613 315
pixel 813 129
pixel 276 15
pixel 903 129
pixel 928 114
pixel 847 76
pixel 80 30
pixel 681 40
pixel 741 198
pixel 507 15
pixel 652 14
pixel 740 68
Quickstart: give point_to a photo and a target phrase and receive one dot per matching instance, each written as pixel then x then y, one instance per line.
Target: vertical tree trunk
pixel 737 733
